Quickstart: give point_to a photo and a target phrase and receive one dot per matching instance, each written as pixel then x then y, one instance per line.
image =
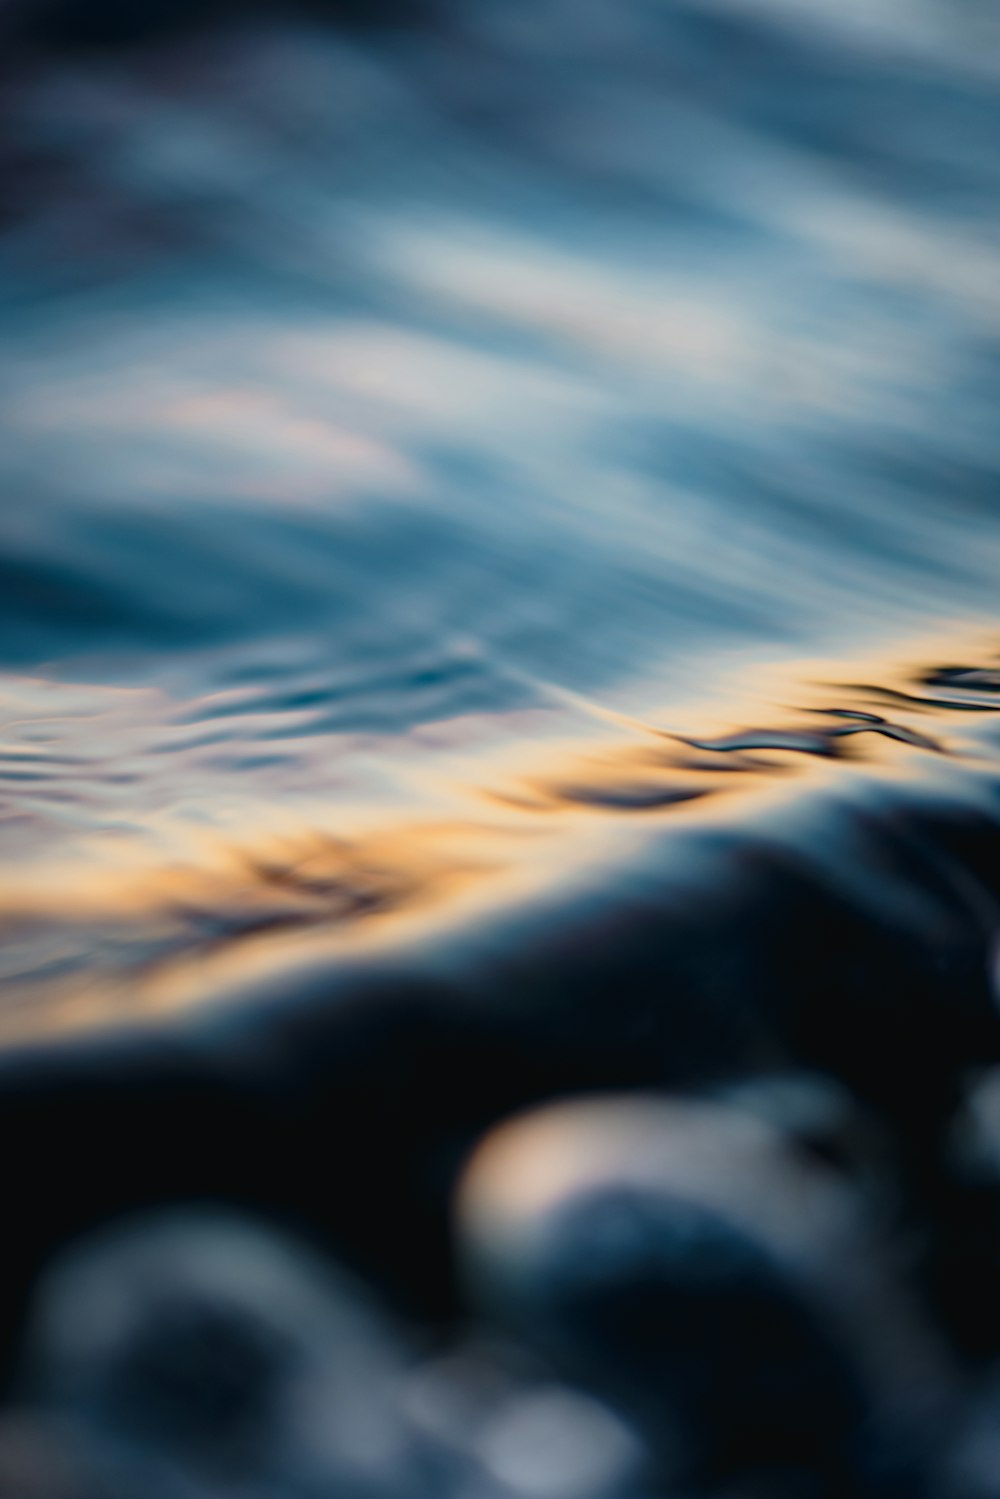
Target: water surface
pixel 431 452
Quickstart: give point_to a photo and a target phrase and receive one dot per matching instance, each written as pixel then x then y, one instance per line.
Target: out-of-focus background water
pixel 499 539
pixel 391 397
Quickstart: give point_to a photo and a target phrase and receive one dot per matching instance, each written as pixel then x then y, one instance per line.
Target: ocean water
pixel 499 554
pixel 408 427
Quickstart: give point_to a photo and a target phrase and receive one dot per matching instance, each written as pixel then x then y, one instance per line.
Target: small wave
pixel 121 940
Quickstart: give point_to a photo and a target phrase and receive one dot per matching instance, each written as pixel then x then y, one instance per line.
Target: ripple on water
pixel 174 881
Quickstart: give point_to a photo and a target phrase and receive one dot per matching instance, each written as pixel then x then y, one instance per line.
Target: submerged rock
pixel 682 1262
pixel 212 1347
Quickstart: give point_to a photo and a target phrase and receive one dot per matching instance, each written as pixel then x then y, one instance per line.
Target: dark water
pixel 498 593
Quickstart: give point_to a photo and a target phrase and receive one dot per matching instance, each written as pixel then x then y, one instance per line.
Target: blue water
pixel 392 417
pixel 499 545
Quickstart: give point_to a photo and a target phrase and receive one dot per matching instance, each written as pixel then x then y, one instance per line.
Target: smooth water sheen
pixel 442 461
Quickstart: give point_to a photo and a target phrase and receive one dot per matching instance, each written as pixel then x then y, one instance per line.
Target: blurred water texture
pixel 497 602
pixel 388 397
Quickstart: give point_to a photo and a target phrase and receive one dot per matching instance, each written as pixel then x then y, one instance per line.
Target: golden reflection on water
pixel 123 930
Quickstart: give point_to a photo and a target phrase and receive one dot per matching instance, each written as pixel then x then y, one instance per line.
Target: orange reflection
pixel 125 929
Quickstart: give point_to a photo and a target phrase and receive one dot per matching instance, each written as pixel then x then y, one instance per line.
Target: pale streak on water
pixel 405 435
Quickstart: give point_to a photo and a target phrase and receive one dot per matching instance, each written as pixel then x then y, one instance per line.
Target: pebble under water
pixel 500 749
